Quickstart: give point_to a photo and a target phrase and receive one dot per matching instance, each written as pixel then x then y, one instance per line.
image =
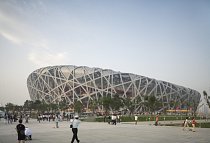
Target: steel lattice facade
pixel 80 83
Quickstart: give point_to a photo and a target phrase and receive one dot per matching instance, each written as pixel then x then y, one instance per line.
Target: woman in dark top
pixel 21 131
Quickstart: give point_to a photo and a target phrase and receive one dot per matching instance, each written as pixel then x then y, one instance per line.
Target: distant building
pixel 69 84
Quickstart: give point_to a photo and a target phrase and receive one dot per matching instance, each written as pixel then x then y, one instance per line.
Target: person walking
pixel 114 119
pixel 56 121
pixel 20 128
pixel 118 118
pixel 193 124
pixel 185 123
pixel 75 124
pixel 156 120
pixel 136 119
pixel 109 119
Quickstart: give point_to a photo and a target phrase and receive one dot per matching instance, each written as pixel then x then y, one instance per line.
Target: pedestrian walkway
pixel 94 132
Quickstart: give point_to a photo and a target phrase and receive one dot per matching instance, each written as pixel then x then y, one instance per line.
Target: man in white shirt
pixel 136 119
pixel 75 123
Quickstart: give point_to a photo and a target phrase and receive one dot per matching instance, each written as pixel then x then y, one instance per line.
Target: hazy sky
pixel 163 39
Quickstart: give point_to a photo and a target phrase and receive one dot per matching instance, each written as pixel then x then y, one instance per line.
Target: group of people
pixel 51 117
pixel 25 133
pixel 156 119
pixel 113 119
pixel 187 122
pixel 13 117
pixel 10 118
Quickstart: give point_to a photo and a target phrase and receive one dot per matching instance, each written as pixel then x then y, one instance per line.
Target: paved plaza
pixel 94 132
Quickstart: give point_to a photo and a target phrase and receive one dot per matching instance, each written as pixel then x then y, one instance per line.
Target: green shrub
pixel 203 125
pixel 146 118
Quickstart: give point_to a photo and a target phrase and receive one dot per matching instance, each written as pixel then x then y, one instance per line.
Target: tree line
pixel 107 104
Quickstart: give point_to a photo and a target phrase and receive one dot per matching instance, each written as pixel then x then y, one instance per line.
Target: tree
pixel 62 104
pixel 53 107
pixel 28 105
pixel 10 107
pixel 138 103
pixel 106 102
pixel 93 105
pixel 37 105
pixel 78 107
pixel 145 103
pixel 18 108
pixel 116 103
pixel 152 101
pixel 129 105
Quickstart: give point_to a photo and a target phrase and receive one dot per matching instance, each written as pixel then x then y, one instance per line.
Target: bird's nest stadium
pixel 54 84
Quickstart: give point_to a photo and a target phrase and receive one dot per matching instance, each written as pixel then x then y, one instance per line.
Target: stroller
pixel 28 133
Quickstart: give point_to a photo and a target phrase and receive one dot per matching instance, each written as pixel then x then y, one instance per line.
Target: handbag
pixel 71 126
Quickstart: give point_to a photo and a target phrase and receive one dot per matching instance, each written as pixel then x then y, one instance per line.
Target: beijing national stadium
pixel 80 83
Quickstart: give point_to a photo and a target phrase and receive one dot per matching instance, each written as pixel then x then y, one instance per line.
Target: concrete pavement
pixel 94 132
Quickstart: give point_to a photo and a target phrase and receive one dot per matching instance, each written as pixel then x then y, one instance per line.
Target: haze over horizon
pixel 160 39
